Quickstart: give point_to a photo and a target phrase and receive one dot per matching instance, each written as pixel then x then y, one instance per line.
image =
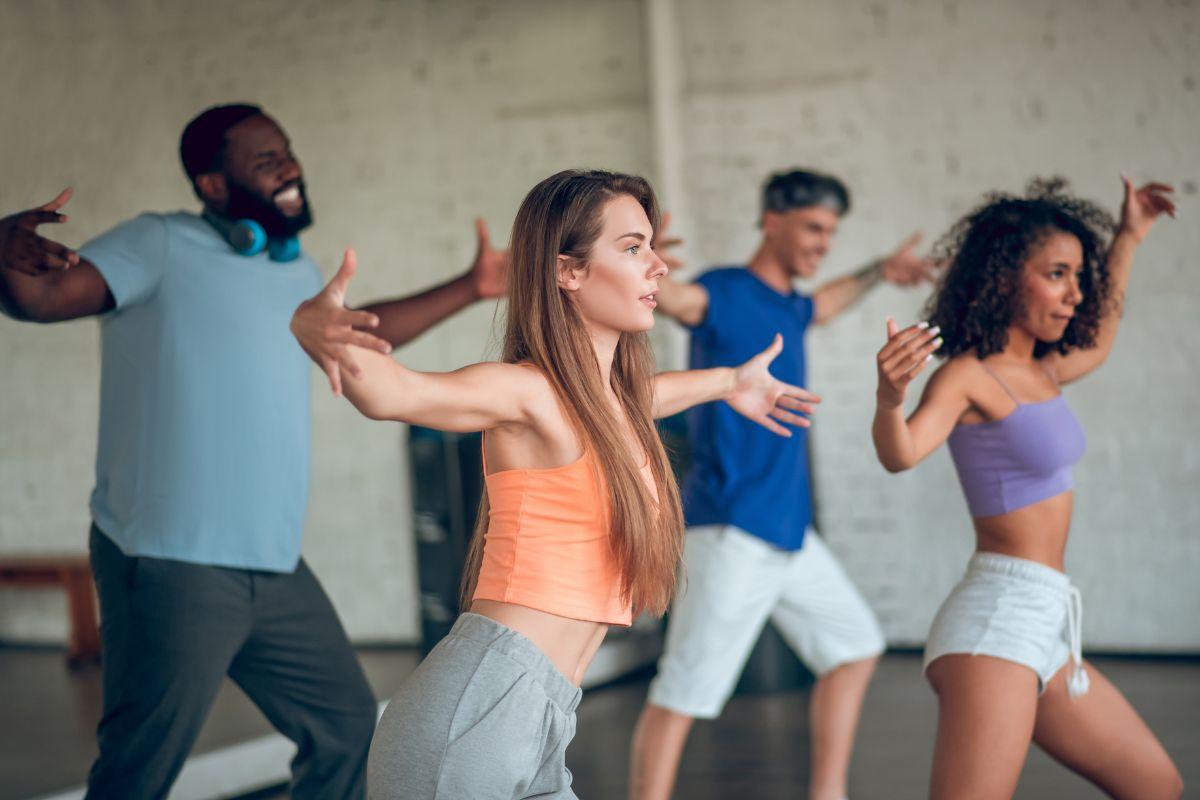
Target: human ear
pixel 568 273
pixel 770 223
pixel 212 187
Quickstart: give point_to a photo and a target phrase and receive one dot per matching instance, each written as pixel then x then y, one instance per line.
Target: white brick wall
pixel 412 117
pixel 921 106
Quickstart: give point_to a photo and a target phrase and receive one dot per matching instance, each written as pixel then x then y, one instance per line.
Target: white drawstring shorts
pixel 1017 610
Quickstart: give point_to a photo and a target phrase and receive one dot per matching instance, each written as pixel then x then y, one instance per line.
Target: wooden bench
pixel 74 574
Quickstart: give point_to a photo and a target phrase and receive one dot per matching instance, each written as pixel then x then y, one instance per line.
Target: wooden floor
pixel 757 749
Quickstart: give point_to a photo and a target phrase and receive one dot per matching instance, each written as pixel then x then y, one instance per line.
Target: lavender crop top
pixel 1019 460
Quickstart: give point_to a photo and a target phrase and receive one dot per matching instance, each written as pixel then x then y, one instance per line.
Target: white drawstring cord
pixel 1078 682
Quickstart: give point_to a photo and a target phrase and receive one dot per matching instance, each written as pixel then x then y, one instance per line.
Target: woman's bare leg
pixel 986 712
pixel 1101 737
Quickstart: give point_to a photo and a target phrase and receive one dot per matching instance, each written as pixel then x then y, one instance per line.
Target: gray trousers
pixel 170 631
pixel 485 716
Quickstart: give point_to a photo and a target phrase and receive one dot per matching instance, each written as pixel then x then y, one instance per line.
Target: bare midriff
pixel 1037 532
pixel 570 644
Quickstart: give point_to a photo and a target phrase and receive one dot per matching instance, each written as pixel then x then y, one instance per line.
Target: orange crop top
pixel 546 545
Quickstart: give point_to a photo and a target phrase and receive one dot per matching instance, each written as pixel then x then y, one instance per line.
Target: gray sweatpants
pixel 485 715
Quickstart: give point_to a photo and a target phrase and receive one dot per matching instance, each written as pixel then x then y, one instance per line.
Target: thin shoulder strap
pixel 483 450
pixel 1003 385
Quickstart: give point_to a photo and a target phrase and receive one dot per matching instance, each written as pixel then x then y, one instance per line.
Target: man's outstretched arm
pixel 42 280
pixel 403 319
pixel 902 268
pixel 686 303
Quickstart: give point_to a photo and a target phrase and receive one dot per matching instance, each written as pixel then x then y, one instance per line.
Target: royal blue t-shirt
pixel 742 474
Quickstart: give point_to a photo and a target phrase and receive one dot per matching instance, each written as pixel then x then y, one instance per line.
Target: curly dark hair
pixel 977 296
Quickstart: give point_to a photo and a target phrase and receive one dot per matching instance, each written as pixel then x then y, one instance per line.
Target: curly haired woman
pixel 1031 300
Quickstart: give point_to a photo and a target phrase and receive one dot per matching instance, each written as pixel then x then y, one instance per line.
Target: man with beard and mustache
pixel 750 552
pixel 202 469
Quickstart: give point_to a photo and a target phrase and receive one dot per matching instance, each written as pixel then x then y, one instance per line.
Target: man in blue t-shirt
pixel 202 469
pixel 750 553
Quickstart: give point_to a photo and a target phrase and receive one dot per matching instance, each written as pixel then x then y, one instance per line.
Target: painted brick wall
pixel 410 118
pixel 413 117
pixel 921 106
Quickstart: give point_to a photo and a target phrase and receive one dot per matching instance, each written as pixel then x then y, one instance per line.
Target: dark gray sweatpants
pixel 170 631
pixel 485 716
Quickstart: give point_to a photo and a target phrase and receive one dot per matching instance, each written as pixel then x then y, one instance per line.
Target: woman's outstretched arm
pixel 749 389
pixel 1139 211
pixel 473 398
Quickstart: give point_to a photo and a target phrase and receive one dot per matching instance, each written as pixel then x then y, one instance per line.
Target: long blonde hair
pixel 563 215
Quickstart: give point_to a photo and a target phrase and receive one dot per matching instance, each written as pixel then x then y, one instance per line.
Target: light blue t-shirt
pixel 205 418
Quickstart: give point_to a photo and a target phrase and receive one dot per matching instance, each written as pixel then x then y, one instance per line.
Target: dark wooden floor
pixel 757 749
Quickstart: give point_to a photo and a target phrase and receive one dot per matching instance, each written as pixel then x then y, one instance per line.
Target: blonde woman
pixel 581 526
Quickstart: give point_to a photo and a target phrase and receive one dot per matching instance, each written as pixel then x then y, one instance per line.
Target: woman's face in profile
pixel 616 289
pixel 1050 286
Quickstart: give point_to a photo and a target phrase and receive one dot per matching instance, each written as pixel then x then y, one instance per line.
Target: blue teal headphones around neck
pixel 249 238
